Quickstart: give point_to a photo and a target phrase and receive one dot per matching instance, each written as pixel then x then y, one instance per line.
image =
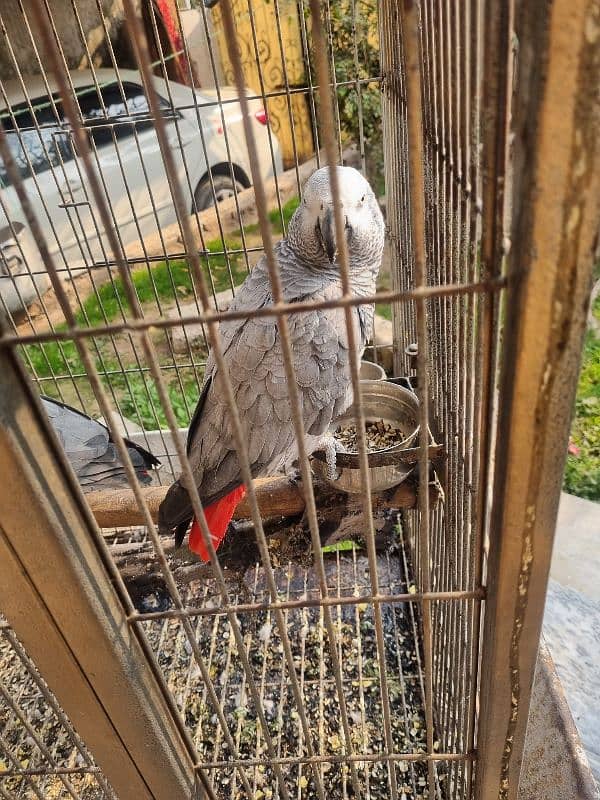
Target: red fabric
pixel 174 36
pixel 218 516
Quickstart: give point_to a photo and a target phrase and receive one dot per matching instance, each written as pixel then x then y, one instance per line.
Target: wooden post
pixel 555 225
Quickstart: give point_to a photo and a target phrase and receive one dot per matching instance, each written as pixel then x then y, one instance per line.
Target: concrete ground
pixel 572 616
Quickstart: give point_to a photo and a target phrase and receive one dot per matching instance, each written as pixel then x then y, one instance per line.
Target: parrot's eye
pixel 362 199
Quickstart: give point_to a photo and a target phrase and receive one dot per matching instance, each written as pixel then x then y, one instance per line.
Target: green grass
pixel 346 544
pixel 156 286
pixel 52 358
pixel 582 473
pixel 275 218
pixel 384 310
pixel 163 282
pixel 140 402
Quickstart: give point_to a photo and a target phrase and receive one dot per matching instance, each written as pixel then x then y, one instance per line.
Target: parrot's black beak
pixel 326 228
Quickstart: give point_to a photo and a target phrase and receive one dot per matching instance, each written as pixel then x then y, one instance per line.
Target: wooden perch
pixel 281 503
pixel 118 508
pixel 277 497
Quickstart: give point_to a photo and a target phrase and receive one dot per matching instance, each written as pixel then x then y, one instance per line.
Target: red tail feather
pixel 218 516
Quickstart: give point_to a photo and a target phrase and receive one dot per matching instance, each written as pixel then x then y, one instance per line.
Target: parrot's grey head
pixel 312 232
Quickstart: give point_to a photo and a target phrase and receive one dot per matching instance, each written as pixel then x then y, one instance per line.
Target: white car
pixel 130 164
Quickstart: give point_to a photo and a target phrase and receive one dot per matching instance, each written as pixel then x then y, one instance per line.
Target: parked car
pixel 122 133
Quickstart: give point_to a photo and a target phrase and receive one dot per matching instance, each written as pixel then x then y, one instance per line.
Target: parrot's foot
pixel 294 475
pixel 332 447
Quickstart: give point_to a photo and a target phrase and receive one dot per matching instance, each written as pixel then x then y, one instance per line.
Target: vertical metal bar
pixel 434 142
pixel 302 13
pixel 471 633
pixel 56 593
pixel 393 114
pixel 328 29
pixel 496 24
pixel 261 82
pixel 359 100
pixel 474 184
pixel 555 219
pixel 410 29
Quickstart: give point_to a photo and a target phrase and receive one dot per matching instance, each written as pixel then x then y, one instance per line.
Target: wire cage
pixel 151 153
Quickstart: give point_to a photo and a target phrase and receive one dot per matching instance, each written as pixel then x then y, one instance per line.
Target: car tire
pixel 224 187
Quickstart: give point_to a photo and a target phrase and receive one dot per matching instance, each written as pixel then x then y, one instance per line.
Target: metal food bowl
pixel 371 372
pixel 394 405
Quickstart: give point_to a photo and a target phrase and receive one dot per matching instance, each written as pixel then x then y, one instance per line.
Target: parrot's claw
pixel 294 475
pixel 332 447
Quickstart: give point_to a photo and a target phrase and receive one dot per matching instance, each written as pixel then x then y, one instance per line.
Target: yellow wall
pixel 269 65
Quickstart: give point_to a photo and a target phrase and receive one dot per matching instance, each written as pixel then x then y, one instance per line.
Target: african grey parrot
pixel 91 451
pixel 253 353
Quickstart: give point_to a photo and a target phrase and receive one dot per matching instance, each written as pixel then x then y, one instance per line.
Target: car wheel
pixel 224 187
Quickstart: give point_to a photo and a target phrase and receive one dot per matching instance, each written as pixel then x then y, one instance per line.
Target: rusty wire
pixel 443 300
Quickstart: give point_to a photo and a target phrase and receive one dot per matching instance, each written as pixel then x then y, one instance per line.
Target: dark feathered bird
pixel 91 450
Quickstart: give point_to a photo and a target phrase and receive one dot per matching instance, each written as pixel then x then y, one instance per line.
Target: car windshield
pixel 121 109
pixel 39 137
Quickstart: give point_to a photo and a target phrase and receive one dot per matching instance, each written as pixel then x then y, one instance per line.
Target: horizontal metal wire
pixel 25 771
pixel 151 259
pixel 276 310
pixel 357 758
pixel 307 602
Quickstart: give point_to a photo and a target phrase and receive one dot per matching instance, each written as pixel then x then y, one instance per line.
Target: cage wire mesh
pixel 41 754
pixel 351 673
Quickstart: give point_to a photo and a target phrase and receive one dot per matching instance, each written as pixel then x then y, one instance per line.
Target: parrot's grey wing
pixel 107 471
pixel 91 451
pixel 175 511
pixel 255 362
pixel 195 421
pixel 253 355
pixel 82 438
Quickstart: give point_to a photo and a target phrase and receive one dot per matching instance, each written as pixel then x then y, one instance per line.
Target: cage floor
pixel 42 757
pixel 355 643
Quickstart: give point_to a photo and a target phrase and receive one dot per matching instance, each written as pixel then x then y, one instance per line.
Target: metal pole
pixel 555 226
pixel 56 591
